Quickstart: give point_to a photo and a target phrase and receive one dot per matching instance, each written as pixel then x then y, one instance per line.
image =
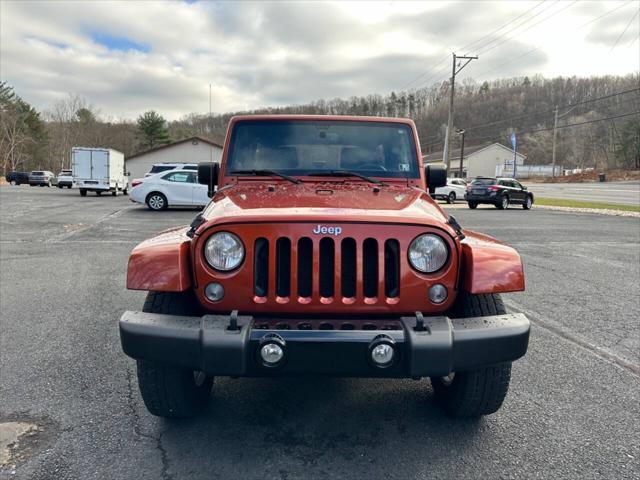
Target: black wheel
pixel 528 203
pixel 98 192
pixel 451 198
pixel 83 192
pixel 472 205
pixel 59 186
pixel 125 191
pixel 114 193
pixel 157 201
pixel 477 392
pixel 503 204
pixel 168 391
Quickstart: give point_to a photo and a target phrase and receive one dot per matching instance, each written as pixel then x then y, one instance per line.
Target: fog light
pixel 271 353
pixel 271 350
pixel 438 293
pixel 382 354
pixel 214 292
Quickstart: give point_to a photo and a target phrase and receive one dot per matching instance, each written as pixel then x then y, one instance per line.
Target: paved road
pixel 625 193
pixel 573 410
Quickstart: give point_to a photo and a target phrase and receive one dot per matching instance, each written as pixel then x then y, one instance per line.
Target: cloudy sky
pixel 127 57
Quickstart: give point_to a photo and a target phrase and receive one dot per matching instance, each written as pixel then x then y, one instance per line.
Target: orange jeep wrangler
pixel 322 253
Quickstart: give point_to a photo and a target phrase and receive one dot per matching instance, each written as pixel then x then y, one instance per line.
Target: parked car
pixel 175 188
pixel 17 178
pixel 65 179
pixel 500 192
pixel 43 178
pixel 164 167
pixel 455 189
pixel 321 254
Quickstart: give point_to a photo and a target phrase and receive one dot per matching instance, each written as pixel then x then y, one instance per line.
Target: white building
pixel 189 150
pixel 479 161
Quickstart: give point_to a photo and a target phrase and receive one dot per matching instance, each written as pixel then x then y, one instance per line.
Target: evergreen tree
pixel 152 130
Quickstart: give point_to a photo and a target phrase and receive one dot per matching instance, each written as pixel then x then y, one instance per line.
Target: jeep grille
pixel 338 263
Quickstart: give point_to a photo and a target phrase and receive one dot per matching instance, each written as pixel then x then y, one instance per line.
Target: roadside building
pixel 188 150
pixel 479 160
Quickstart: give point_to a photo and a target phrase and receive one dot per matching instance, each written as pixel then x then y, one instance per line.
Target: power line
pixel 515 28
pixel 469 45
pixel 583 123
pixel 539 112
pixel 540 46
pixel 505 25
pixel 624 31
pixel 529 27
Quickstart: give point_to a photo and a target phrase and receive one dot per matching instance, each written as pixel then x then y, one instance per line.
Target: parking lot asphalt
pixel 622 193
pixel 573 409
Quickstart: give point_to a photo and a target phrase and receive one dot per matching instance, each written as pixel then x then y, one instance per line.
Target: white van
pixel 98 170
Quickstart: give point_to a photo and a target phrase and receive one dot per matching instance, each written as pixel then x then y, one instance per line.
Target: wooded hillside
pixel 599 120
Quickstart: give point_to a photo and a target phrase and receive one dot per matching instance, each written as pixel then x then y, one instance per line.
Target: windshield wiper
pixel 346 173
pixel 265 173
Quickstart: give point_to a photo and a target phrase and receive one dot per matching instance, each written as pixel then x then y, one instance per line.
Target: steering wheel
pixel 372 166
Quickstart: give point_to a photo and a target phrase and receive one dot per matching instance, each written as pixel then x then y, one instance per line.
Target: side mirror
pixel 436 176
pixel 208 174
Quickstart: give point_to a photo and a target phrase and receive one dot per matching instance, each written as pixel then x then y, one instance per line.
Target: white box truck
pixel 98 170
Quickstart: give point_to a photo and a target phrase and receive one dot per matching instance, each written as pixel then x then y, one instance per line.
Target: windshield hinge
pixel 456 226
pixel 199 220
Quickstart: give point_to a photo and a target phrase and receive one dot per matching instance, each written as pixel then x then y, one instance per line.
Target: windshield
pixel 312 147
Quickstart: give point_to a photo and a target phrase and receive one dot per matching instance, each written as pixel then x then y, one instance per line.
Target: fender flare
pixel 490 266
pixel 162 263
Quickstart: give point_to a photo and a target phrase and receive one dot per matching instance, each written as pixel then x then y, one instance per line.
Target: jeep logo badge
pixel 322 230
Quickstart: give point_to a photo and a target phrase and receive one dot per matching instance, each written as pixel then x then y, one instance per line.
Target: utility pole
pixel 461 133
pixel 553 155
pixel 454 71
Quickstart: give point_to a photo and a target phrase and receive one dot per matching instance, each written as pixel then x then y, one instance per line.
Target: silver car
pixel 44 178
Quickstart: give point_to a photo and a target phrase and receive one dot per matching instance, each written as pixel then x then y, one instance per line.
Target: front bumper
pixel 208 344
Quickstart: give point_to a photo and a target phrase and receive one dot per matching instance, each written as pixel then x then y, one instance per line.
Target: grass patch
pixel 561 202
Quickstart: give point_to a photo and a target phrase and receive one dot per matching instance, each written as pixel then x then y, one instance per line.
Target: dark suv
pixel 17 178
pixel 500 192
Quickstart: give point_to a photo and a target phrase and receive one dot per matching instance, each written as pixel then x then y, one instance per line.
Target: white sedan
pixel 176 188
pixel 454 190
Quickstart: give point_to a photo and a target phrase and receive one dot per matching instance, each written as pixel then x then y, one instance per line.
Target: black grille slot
pixel 370 267
pixel 305 267
pixel 391 268
pixel 348 267
pixel 261 267
pixel 327 267
pixel 283 267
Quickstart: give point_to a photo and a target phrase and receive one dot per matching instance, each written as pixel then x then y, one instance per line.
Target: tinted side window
pixel 181 177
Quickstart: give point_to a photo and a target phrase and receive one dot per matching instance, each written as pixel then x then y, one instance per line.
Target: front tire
pixel 157 201
pixel 83 192
pixel 527 203
pixel 168 391
pixel 472 205
pixel 13 182
pixel 451 198
pixel 478 392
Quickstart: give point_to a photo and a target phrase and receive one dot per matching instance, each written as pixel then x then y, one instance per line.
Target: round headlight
pixel 428 253
pixel 224 251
